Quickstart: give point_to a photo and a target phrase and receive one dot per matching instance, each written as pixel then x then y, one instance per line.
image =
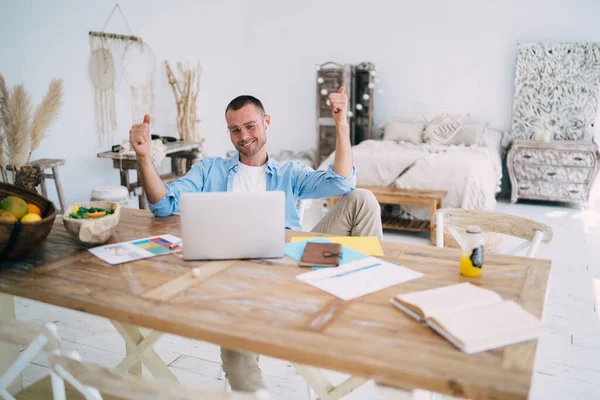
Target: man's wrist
pixel 143 159
pixel 342 124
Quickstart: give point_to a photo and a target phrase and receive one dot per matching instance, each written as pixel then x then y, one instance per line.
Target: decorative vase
pixel 29 177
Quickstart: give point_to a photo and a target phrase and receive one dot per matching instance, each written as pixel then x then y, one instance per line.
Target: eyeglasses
pixel 250 127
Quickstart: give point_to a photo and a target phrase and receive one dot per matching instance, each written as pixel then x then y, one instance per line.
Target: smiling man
pixel 251 169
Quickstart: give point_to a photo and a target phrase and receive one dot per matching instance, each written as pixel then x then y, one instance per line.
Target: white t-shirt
pixel 250 179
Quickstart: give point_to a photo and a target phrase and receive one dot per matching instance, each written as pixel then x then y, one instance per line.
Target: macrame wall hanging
pixel 138 68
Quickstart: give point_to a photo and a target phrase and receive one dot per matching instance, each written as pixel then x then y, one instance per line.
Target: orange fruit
pixel 6 216
pixel 33 209
pixel 31 218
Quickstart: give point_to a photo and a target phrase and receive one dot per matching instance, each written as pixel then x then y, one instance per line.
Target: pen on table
pixel 175 244
pixel 354 270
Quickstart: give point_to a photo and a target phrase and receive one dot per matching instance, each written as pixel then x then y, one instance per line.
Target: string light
pixel 373 81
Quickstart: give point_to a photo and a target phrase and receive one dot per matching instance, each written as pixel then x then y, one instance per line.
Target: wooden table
pixel 188 152
pixel 259 306
pixel 431 199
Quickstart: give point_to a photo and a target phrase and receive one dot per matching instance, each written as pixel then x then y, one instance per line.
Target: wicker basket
pixel 17 238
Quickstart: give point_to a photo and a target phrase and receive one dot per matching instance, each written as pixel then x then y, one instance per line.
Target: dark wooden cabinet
pixel 358 80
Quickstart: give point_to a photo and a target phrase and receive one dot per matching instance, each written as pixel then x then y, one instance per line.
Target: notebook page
pixel 489 326
pixel 449 298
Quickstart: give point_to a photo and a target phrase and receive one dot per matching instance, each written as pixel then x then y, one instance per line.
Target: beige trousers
pixel 356 214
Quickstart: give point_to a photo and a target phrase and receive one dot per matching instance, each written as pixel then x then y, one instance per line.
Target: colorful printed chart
pixel 119 253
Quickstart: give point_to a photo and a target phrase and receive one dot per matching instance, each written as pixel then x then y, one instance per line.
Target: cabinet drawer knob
pixel 524 188
pixel 578 158
pixel 573 191
pixel 551 173
pixel 527 156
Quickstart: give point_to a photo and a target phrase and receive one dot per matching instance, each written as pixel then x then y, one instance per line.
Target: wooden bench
pixel 408 197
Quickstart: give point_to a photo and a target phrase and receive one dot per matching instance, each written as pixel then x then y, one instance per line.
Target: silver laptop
pixel 228 225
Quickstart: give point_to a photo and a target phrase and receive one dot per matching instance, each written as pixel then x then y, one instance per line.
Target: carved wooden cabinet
pixel 559 170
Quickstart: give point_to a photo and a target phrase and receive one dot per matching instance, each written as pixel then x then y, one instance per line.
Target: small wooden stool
pixel 53 164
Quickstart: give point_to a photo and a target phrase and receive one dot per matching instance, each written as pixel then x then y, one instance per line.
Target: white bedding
pixel 470 174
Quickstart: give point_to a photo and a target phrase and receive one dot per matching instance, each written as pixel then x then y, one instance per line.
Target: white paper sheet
pixel 358 278
pixel 137 249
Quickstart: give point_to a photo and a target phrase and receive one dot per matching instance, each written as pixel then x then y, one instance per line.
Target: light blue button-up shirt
pixel 298 181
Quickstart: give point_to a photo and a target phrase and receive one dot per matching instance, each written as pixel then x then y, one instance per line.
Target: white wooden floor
pixel 568 359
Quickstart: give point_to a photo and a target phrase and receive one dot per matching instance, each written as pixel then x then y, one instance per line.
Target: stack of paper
pixel 358 278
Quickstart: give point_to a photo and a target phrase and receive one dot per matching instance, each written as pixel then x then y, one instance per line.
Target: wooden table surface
pixel 260 307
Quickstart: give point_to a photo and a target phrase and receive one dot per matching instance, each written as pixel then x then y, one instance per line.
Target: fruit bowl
pixel 16 237
pixel 92 231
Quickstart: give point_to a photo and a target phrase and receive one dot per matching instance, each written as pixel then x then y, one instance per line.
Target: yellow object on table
pixel 467 268
pixel 369 245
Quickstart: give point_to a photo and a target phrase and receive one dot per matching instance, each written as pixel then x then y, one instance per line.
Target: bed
pixel 467 164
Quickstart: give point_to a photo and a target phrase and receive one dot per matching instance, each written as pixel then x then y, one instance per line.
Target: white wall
pixel 430 55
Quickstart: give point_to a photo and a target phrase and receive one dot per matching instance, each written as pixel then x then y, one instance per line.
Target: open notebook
pixel 471 318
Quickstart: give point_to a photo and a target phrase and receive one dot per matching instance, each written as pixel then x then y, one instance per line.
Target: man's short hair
pixel 242 101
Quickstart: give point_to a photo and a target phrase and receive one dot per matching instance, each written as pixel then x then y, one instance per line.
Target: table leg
pixel 142 200
pixel 391 393
pixel 142 196
pixel 317 380
pixel 59 189
pixel 433 208
pixel 44 189
pixel 9 352
pixel 139 351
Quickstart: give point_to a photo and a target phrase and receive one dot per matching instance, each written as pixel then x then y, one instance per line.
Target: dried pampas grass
pixel 2 159
pixel 19 135
pixel 3 111
pixel 17 126
pixel 45 114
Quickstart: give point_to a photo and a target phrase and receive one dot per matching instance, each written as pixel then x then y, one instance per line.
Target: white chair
pixel 37 338
pixel 88 379
pixel 450 219
pixel 301 207
pixel 84 376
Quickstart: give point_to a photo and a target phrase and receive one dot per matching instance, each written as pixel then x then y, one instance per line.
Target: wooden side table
pixel 190 152
pixel 410 197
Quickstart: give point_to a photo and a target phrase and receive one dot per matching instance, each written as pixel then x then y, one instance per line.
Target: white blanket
pixel 470 174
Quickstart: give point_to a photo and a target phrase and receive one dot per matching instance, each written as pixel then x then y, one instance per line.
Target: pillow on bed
pixel 494 139
pixel 469 135
pixel 442 129
pixel 411 132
